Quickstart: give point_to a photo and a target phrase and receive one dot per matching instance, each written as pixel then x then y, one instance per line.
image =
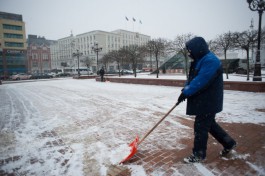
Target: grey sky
pixel 55 19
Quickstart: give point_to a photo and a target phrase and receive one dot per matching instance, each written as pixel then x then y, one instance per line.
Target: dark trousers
pixel 203 125
pixel 102 78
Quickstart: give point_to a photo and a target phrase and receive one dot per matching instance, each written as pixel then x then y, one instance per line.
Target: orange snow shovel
pixel 133 145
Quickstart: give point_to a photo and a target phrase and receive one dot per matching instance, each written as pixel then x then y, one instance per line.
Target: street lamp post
pixel 77 54
pixel 96 49
pixel 257 5
pixel 251 27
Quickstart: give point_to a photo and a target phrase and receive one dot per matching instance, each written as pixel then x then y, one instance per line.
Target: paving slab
pixel 247 159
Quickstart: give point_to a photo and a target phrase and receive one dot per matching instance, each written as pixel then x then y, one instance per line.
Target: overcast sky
pixel 55 19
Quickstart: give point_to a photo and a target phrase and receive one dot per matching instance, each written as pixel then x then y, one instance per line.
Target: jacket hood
pixel 197 47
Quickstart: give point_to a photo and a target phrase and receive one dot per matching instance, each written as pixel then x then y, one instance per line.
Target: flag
pixel 133 19
pixel 140 22
pixel 126 18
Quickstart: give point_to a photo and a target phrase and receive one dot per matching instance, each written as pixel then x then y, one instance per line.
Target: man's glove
pixel 181 98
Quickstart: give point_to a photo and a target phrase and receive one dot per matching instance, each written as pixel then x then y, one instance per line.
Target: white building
pixel 108 41
pixel 54 48
pixel 61 53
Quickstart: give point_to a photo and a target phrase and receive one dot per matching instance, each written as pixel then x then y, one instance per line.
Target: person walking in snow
pixel 204 93
pixel 101 73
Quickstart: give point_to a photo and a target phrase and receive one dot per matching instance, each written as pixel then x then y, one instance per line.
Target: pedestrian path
pixel 247 159
pixel 154 160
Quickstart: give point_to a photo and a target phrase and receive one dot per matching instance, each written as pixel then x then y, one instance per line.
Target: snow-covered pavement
pixel 77 127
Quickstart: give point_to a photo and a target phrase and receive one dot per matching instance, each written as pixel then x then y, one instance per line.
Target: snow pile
pixel 236 156
pixel 231 77
pixel 203 170
pixel 119 154
pixel 137 170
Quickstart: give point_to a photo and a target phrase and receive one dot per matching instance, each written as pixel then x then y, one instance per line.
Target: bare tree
pixel 135 54
pixel 178 46
pixel 105 60
pixel 159 48
pixel 123 54
pixel 149 49
pixel 88 62
pixel 225 42
pixel 245 40
pixel 118 57
pixel 213 46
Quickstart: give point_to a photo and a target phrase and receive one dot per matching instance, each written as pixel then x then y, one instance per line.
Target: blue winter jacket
pixel 204 87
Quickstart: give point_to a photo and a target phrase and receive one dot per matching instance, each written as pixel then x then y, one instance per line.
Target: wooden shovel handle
pixel 158 123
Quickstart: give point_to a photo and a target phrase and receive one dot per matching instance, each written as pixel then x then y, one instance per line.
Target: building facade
pixel 38 54
pixel 62 51
pixel 54 49
pixel 13 45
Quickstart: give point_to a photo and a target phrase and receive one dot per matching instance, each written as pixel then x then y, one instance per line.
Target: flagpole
pixel 133 24
pixel 126 22
pixel 140 22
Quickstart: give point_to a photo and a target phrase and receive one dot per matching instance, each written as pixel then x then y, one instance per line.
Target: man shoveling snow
pixel 204 93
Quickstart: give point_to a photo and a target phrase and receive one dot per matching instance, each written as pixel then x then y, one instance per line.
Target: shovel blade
pixel 133 150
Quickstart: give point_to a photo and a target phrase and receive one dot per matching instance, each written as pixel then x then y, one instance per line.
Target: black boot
pixel 226 151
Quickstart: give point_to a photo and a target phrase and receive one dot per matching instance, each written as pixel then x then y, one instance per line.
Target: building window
pixel 16 36
pixel 34 64
pixel 45 57
pixel 12 27
pixel 14 44
pixel 35 56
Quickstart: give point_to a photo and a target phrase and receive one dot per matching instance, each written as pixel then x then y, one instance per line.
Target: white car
pixel 20 76
pixel 52 74
pixel 127 72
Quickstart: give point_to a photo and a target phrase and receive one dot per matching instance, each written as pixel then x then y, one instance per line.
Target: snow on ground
pixel 85 125
pixel 241 104
pixel 231 77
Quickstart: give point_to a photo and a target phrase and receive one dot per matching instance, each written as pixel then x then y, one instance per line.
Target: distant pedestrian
pixel 204 93
pixel 101 73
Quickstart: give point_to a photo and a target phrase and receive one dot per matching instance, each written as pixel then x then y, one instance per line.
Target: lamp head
pixel 261 4
pixel 249 1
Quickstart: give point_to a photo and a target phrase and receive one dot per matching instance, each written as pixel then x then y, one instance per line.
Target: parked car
pixel 35 76
pixel 240 70
pixel 63 74
pixel 4 77
pixel 52 74
pixel 40 76
pixel 126 72
pixel 20 76
pixel 47 76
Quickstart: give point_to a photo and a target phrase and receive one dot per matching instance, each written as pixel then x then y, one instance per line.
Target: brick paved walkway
pixel 69 131
pixel 247 159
